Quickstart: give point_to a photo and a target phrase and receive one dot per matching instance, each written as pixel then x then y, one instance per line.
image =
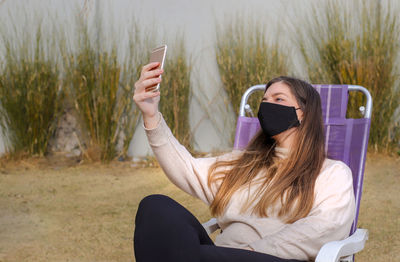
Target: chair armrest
pixel 333 251
pixel 211 225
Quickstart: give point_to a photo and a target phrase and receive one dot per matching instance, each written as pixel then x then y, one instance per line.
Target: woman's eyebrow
pixel 274 95
pixel 279 93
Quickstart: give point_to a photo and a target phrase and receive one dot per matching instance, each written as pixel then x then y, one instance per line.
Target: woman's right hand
pixel 147 101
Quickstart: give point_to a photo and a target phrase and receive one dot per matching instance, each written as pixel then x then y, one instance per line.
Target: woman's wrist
pixel 151 121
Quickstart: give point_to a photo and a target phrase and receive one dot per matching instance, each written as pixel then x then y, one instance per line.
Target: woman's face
pixel 280 93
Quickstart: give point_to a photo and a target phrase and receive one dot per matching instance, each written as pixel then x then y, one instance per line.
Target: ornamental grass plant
pixel 101 90
pixel 357 42
pixel 136 56
pixel 30 93
pixel 245 58
pixel 39 78
pixel 176 93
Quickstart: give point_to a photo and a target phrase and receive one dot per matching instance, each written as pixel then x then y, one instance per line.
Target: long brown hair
pixel 290 180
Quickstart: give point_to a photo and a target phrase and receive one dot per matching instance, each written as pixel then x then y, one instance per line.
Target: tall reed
pixel 246 58
pixel 137 54
pixel 176 93
pixel 100 96
pixel 358 47
pixel 30 94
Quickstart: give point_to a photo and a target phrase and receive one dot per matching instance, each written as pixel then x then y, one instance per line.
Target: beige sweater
pixel 330 218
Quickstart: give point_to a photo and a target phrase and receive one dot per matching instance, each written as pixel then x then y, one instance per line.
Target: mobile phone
pixel 158 55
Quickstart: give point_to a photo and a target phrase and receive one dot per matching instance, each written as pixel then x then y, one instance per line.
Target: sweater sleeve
pixel 186 172
pixel 330 218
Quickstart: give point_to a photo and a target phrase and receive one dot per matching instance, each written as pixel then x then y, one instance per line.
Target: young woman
pixel 280 199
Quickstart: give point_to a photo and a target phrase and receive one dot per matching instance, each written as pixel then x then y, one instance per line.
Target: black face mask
pixel 274 118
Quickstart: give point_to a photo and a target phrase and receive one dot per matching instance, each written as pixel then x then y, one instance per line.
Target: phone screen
pixel 158 55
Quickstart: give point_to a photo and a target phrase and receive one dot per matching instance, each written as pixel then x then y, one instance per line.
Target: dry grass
pixel 60 212
pixel 380 209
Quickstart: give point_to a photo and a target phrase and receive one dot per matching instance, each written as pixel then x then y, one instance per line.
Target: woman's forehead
pixel 278 88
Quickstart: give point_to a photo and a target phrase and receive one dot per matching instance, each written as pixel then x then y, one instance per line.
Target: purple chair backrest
pixel 345 139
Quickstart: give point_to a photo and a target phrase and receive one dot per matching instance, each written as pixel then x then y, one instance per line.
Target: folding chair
pixel 345 139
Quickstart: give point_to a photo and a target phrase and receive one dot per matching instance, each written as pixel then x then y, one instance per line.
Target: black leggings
pixel 166 231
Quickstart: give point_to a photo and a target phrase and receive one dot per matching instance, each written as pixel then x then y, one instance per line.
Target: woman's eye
pixel 278 99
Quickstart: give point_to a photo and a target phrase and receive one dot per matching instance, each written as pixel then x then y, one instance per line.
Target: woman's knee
pixel 154 200
pixel 153 205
